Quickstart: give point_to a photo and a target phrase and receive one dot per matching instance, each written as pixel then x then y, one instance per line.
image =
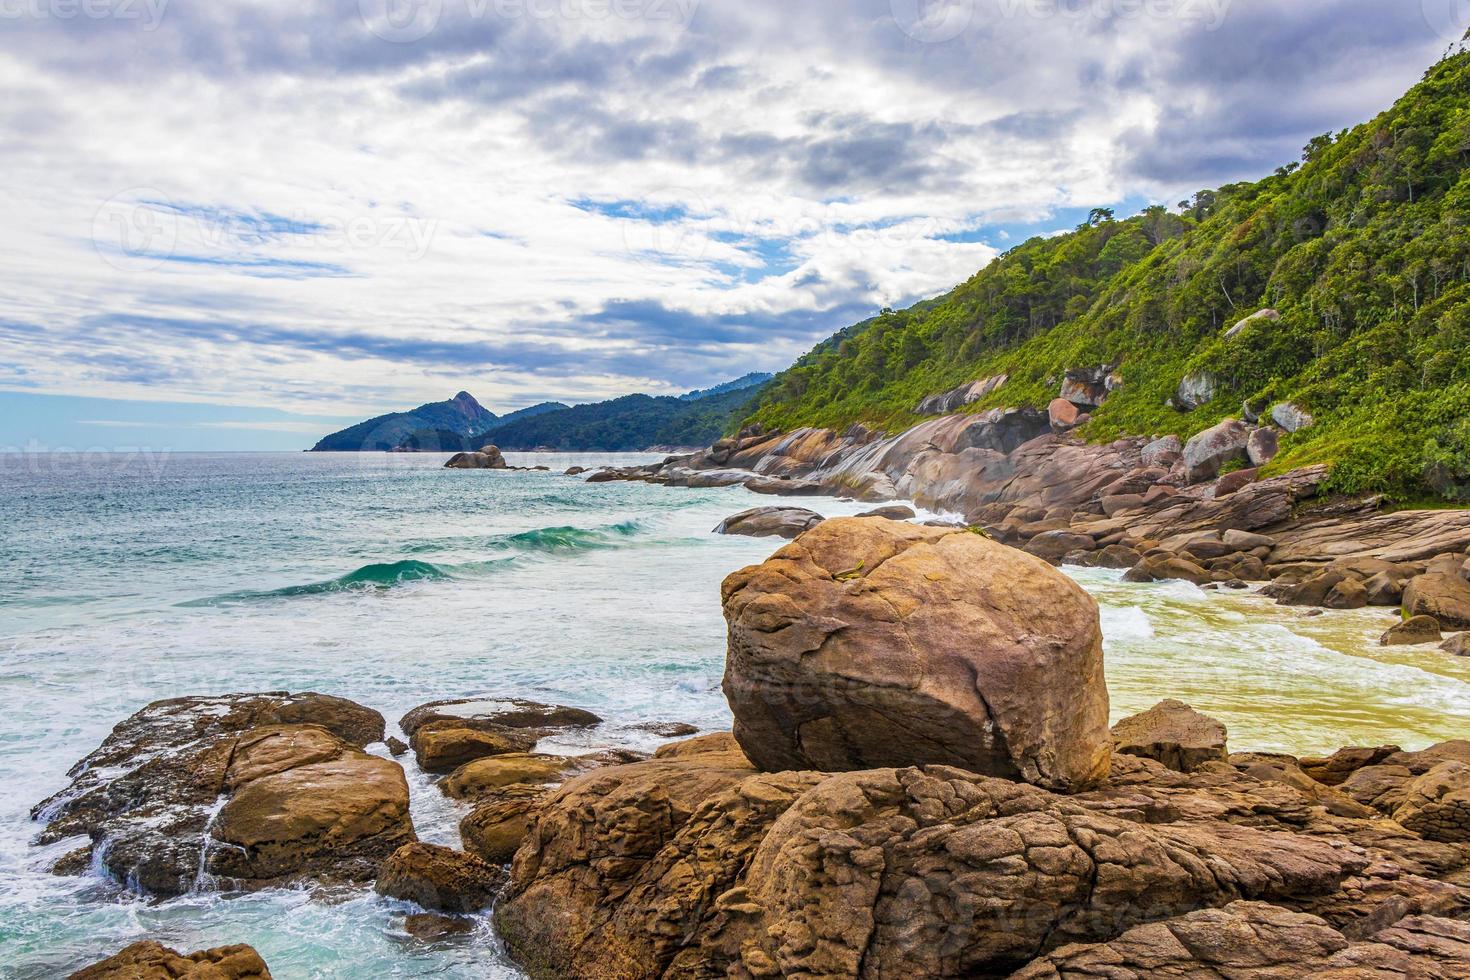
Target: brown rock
pixel 866 643
pixel 1210 450
pixel 337 819
pixel 490 714
pixel 893 512
pixel 1235 482
pixel 444 746
pixel 1436 805
pixel 1411 632
pixel 1259 941
pixel 1052 545
pixel 1246 541
pixel 1334 769
pixel 440 879
pixel 1441 594
pixel 428 927
pixel 1263 446
pixel 498 826
pixel 148 960
pixel 483 776
pixel 1459 645
pixel 1174 734
pixel 1168 569
pixel 151 791
pixel 1347 594
pixel 1062 414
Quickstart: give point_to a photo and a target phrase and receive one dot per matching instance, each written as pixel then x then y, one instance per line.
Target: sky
pixel 240 224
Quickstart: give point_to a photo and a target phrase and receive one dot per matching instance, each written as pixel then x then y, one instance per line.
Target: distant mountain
pixel 752 380
pixel 629 424
pixel 450 441
pixel 461 414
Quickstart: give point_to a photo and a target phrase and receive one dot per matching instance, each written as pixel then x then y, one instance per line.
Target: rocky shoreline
pixel 920 782
pixel 1160 508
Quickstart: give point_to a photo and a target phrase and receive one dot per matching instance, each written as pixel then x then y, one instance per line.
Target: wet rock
pixel 335 819
pixel 667 729
pixel 575 471
pixel 480 778
pixel 149 960
pixel 490 714
pixel 1210 450
pixel 488 458
pixel 1174 734
pixel 769 522
pixel 1412 631
pixel 1459 645
pixel 427 927
pixel 867 643
pixel 784 487
pixel 440 879
pixel 893 512
pixel 1165 569
pixel 1291 417
pixel 1195 390
pixel 1116 556
pixel 1442 593
pixel 396 746
pixel 1347 594
pixel 444 746
pixel 235 792
pixel 500 822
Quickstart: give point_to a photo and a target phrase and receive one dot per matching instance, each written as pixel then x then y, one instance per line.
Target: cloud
pixel 268 204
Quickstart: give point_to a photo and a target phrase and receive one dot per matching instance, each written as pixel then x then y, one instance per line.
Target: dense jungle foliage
pixel 1363 248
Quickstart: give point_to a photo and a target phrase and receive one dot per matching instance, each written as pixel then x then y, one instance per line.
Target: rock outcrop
pixel 489 458
pixel 1173 734
pixel 149 960
pixel 770 522
pixel 239 791
pixel 868 643
pixel 440 879
pixel 694 865
pixel 957 398
pixel 446 735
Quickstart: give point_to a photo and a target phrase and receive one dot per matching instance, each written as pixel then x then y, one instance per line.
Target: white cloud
pixel 261 203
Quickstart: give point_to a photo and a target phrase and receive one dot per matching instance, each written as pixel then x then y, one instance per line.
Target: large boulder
pixel 1292 418
pixel 674 868
pixel 1174 734
pixel 149 960
pixel 871 643
pixel 440 879
pixel 235 791
pixel 957 398
pixel 770 522
pixel 1441 593
pixel 501 821
pixel 1208 452
pixel 1411 632
pixel 446 735
pixel 1195 390
pixel 1262 446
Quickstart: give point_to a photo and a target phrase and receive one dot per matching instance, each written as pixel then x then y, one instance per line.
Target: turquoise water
pixel 388 580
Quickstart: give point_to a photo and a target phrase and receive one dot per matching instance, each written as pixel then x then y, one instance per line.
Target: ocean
pixel 126 578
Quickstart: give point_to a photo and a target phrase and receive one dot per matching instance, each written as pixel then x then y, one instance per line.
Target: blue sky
pixel 241 224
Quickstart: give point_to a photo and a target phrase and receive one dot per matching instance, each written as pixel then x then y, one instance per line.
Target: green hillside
pixel 1364 248
pixel 628 424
